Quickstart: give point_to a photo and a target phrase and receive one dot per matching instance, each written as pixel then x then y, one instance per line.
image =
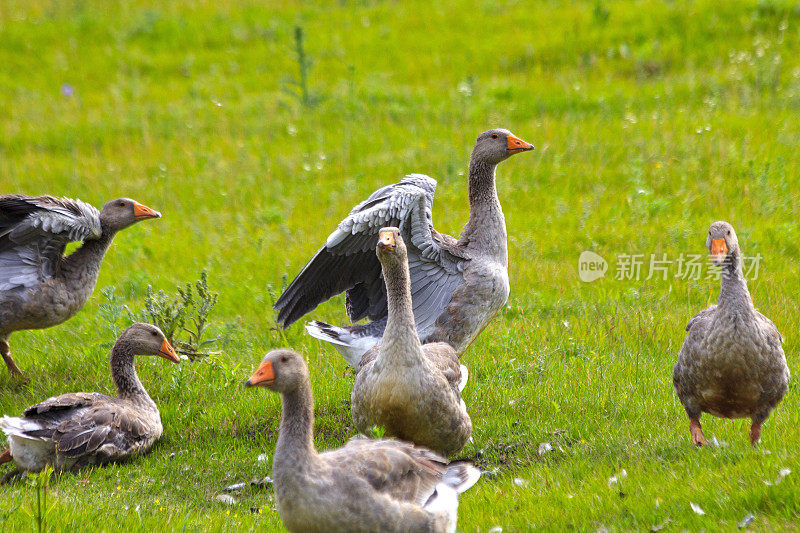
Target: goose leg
pixel 5 350
pixel 755 433
pixel 14 475
pixel 698 439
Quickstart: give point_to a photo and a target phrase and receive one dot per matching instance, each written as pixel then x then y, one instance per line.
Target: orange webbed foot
pixel 755 434
pixel 698 439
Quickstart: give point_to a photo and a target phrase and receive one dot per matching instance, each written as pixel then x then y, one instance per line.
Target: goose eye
pixel 729 232
pixel 121 204
pixel 494 136
pixel 154 334
pixel 284 359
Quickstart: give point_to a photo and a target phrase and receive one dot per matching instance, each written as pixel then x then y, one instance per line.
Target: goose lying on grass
pixel 367 485
pixel 80 429
pixel 410 389
pixel 457 286
pixel 39 287
pixel 731 364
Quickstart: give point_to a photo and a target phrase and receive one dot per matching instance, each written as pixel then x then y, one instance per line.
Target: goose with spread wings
pixel 39 286
pixel 457 286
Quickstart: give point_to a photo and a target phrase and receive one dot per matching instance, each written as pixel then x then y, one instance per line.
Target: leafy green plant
pixel 112 311
pixel 196 302
pixel 298 87
pixel 183 317
pixel 165 312
pixel 38 509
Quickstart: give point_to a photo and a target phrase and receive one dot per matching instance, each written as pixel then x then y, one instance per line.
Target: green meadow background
pixel 651 119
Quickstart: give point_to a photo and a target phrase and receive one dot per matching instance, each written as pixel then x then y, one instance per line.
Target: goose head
pixel 123 212
pixel 280 371
pixel 722 242
pixel 147 339
pixel 496 145
pixel 391 248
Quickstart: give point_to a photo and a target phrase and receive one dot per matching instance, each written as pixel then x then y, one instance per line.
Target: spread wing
pixel 86 423
pixel 347 261
pixel 395 468
pixel 34 230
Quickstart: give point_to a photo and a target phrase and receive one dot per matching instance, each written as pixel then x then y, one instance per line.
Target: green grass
pixel 650 119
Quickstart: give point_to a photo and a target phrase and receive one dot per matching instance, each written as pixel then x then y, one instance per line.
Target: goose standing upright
pixel 411 390
pixel 731 364
pixel 457 286
pixel 39 287
pixel 365 486
pixel 82 429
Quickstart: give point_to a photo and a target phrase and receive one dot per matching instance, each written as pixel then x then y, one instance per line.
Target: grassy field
pixel 651 119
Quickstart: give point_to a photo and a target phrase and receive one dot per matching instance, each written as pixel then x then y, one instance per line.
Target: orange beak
pixel 142 212
pixel 168 352
pixel 386 240
pixel 718 249
pixel 264 376
pixel 517 145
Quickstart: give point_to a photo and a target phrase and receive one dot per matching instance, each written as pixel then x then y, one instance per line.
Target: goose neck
pixel 482 188
pixel 86 260
pixel 126 380
pixel 485 231
pixel 400 343
pixel 733 286
pixel 295 447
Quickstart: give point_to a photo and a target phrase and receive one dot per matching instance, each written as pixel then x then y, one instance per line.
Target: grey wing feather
pixel 83 423
pixel 394 468
pixel 65 402
pixel 348 263
pixel 770 329
pixel 446 360
pixel 34 230
pixel 689 354
pixel 432 287
pixel 115 428
pixel 701 317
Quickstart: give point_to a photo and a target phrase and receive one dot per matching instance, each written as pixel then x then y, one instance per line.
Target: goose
pixel 80 429
pixel 411 390
pixel 39 287
pixel 731 364
pixel 366 485
pixel 457 286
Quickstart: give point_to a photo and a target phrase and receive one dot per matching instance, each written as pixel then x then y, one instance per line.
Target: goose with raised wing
pixel 39 286
pixel 731 364
pixel 410 389
pixel 366 485
pixel 457 286
pixel 81 429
